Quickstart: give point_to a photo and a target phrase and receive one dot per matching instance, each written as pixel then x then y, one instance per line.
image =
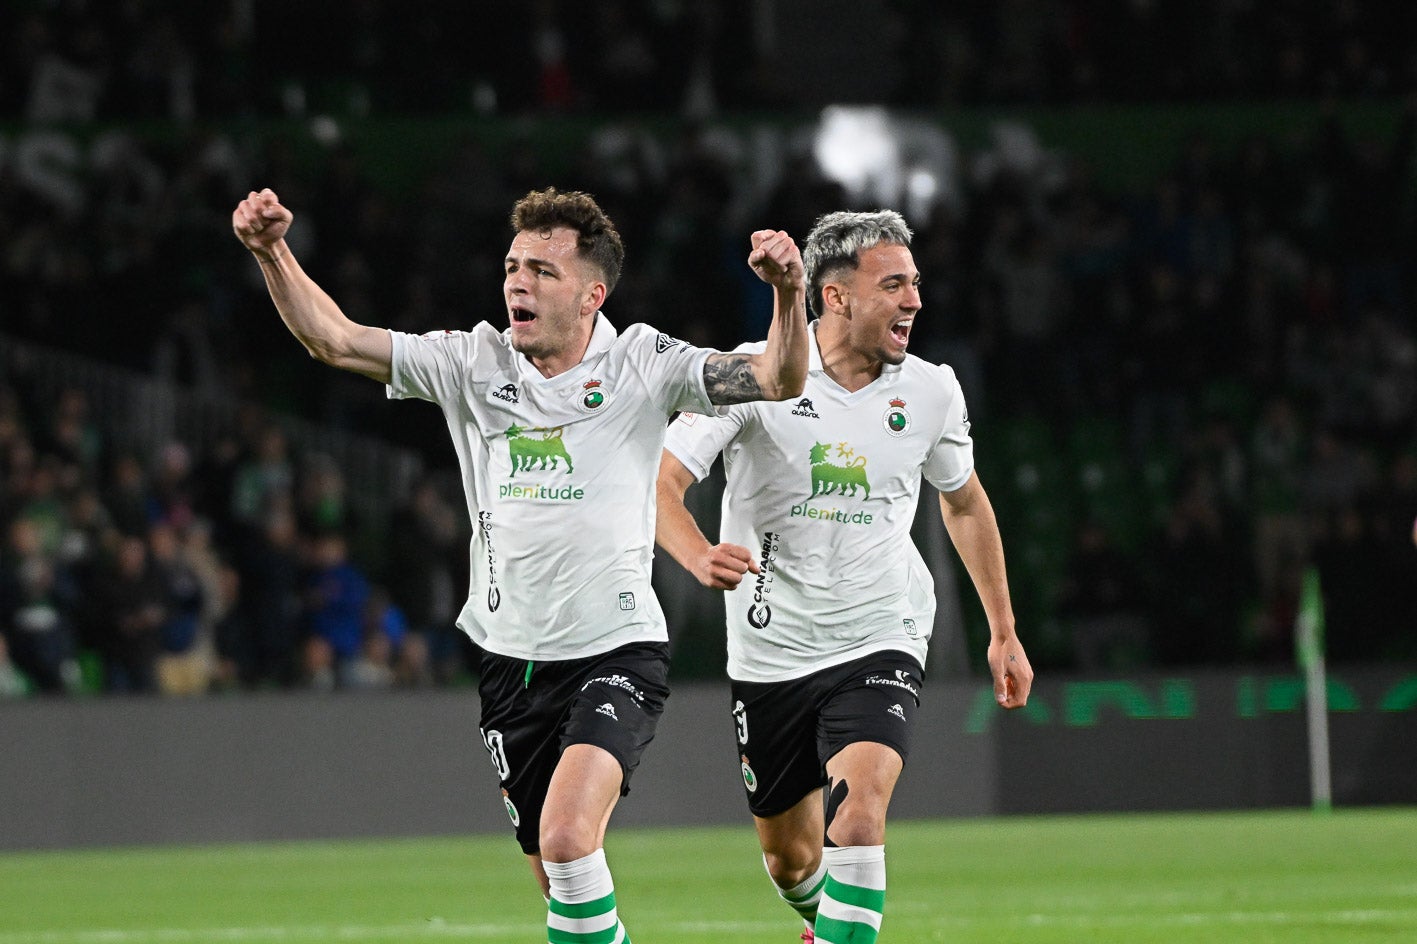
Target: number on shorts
pixel 492 740
pixel 740 719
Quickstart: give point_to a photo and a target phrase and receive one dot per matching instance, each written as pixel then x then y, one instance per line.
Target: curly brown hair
pixel 597 239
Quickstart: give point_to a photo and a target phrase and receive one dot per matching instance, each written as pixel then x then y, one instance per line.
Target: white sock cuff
pixel 838 856
pixel 580 880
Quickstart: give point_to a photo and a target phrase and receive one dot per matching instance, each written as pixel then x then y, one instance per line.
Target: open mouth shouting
pixel 900 331
pixel 520 315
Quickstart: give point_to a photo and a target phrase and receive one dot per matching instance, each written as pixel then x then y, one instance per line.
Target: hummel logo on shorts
pixel 896 710
pixel 608 710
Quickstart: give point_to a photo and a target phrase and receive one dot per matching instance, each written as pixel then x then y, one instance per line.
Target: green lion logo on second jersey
pixel 848 476
pixel 842 474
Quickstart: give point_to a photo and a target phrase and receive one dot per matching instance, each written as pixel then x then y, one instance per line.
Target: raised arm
pixel 716 566
pixel 780 371
pixel 261 222
pixel 969 518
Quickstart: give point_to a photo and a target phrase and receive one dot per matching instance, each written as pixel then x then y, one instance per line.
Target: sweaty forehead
pixel 557 245
pixel 883 261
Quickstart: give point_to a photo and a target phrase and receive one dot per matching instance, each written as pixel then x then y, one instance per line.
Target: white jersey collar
pixel 602 336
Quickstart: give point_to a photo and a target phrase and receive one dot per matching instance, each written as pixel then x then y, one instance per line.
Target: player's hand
pixel 260 222
pixel 722 566
pixel 777 260
pixel 1013 676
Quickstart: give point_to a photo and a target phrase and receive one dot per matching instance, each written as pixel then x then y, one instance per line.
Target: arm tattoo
pixel 729 379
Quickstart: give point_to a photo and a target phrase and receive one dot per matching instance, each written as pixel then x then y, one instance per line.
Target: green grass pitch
pixel 1288 877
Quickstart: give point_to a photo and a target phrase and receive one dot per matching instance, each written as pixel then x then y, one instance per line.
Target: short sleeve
pixel 428 366
pixel 951 460
pixel 673 370
pixel 696 439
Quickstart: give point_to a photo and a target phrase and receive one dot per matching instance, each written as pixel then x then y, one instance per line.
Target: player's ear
pixel 834 298
pixel 594 297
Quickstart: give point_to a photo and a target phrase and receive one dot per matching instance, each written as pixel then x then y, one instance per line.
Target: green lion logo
pixel 542 452
pixel 829 477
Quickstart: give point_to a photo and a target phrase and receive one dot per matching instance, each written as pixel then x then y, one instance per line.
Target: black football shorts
pixel 787 731
pixel 612 700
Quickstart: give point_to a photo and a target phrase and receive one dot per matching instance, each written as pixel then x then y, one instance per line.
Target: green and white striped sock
pixel 804 896
pixel 582 906
pixel 854 897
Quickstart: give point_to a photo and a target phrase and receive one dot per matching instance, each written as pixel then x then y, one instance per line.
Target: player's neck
pixel 558 363
pixel 848 368
pixel 555 365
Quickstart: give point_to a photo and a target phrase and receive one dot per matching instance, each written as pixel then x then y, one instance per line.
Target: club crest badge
pixel 592 397
pixel 896 418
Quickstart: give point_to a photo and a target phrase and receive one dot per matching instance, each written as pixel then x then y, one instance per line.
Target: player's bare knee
pixel 565 840
pixel 848 832
pixel 792 865
pixel 859 820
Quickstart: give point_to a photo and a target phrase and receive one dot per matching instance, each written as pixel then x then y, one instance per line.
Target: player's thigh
pixel 579 800
pixel 870 769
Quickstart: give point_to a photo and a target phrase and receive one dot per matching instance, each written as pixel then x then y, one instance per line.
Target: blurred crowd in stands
pixel 1184 395
pixel 179 573
pixel 143 59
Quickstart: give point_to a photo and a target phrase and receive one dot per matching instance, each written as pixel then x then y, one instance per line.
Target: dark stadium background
pixel 1166 245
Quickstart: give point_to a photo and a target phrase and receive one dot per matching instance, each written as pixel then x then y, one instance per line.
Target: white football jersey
pixel 559 476
pixel 823 491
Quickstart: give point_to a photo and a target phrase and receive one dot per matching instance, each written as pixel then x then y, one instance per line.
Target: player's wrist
pixel 272 255
pixel 1002 635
